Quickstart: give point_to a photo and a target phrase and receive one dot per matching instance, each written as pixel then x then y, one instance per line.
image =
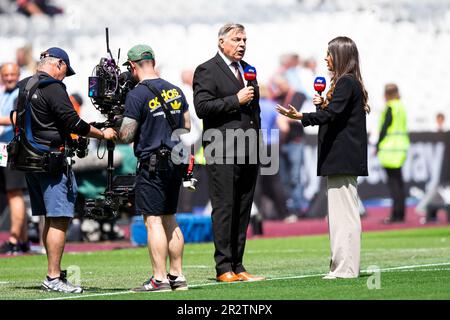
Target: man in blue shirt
pixel 158 179
pixel 11 181
pixel 271 186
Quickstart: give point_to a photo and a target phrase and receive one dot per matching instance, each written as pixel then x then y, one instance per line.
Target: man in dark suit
pixel 231 114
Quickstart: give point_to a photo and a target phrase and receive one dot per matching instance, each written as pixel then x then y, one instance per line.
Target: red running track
pixel 373 221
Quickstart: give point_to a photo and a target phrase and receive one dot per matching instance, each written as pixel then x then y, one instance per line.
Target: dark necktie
pixel 237 73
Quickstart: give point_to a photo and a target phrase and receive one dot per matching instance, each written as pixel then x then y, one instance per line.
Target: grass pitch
pixel 414 264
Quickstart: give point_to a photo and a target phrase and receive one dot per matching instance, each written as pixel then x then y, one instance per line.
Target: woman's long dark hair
pixel 345 59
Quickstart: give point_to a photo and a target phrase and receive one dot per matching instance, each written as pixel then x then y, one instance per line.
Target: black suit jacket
pixel 342 139
pixel 215 100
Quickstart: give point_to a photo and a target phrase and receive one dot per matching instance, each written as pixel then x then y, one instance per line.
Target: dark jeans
pixel 290 170
pixel 270 186
pixel 397 191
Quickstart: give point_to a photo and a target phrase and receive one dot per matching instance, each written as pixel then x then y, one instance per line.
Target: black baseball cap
pixel 60 54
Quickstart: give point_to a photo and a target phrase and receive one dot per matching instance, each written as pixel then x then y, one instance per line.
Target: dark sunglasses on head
pixel 46 55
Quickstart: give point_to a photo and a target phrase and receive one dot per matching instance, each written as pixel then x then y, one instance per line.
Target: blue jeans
pixel 291 163
pixel 50 196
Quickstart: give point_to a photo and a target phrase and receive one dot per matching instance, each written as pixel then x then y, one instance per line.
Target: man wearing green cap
pixel 158 179
pixel 140 52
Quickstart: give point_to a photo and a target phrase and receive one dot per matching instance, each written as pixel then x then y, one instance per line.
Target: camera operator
pixel 158 180
pixel 53 194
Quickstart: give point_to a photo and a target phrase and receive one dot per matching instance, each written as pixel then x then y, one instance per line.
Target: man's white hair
pixel 47 61
pixel 227 28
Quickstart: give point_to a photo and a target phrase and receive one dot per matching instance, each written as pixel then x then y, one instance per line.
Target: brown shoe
pixel 245 276
pixel 228 277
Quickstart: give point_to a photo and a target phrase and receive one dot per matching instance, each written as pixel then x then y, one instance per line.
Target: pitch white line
pixel 196 267
pixel 190 286
pixel 414 266
pixel 270 279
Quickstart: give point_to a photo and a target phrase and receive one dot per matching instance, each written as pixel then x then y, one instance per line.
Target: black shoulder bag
pixel 188 170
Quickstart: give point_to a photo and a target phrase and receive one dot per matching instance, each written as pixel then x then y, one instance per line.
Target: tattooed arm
pixel 128 130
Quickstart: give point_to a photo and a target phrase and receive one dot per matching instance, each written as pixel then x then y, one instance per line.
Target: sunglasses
pixel 46 55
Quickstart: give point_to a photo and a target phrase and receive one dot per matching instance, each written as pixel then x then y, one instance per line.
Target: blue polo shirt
pixel 143 106
pixel 7 104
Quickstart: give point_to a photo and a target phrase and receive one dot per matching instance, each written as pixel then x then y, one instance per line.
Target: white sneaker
pixel 61 285
pixel 291 219
pixel 329 277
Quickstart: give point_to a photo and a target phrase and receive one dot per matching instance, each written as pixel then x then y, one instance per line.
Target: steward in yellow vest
pixel 393 144
pixel 392 150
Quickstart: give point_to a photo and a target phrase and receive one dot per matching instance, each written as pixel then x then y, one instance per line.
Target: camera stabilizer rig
pixel 108 88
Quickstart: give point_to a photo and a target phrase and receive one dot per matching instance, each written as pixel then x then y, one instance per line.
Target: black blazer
pixel 342 139
pixel 215 100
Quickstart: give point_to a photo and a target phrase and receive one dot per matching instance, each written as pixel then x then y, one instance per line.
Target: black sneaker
pixel 24 247
pixel 10 248
pixel 153 285
pixel 391 220
pixel 177 282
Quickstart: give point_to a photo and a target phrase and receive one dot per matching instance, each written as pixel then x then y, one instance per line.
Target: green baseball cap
pixel 140 52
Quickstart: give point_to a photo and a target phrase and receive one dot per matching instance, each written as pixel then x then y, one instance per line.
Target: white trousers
pixel 344 225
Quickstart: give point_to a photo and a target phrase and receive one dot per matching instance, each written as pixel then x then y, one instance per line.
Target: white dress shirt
pixel 228 62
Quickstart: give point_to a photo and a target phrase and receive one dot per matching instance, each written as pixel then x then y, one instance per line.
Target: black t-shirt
pixel 55 115
pixel 154 129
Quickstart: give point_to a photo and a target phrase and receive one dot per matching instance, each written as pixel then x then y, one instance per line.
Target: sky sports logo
pixel 319 84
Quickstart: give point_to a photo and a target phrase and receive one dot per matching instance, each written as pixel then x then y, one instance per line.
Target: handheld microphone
pixel 319 85
pixel 249 74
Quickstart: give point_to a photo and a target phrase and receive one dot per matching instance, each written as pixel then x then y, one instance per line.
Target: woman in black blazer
pixel 342 152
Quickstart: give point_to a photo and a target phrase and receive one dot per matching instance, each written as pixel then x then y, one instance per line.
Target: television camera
pixel 108 87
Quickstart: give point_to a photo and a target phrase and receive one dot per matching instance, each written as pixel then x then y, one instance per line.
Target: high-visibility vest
pixel 393 149
pixel 200 157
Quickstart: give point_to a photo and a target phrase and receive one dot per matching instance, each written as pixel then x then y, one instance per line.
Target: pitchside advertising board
pixel 427 164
